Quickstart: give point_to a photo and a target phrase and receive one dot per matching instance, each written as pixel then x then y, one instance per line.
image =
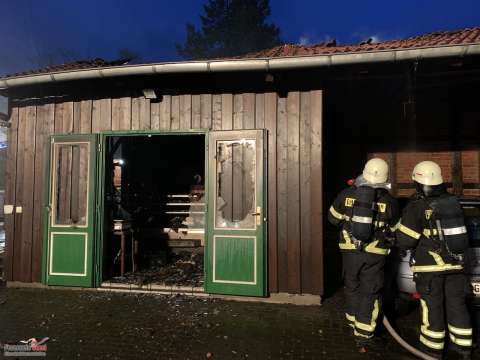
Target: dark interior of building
pixel 155 209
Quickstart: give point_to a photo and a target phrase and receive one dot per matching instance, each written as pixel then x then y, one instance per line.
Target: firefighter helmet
pixel 427 173
pixel 376 171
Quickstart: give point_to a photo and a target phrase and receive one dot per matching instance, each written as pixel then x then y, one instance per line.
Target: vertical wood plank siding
pixel 294 168
pixel 10 192
pixel 44 128
pixel 19 199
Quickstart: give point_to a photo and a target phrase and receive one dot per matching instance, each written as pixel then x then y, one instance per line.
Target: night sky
pixel 33 32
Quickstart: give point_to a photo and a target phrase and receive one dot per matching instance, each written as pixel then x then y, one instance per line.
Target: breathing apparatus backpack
pixel 447 225
pixel 363 215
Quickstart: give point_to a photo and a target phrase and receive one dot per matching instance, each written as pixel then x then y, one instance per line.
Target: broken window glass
pixel 71 171
pixel 235 196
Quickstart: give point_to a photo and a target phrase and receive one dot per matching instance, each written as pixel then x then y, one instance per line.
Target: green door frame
pixel 98 259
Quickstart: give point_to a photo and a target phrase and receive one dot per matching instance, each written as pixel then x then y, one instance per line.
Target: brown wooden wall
pixel 294 123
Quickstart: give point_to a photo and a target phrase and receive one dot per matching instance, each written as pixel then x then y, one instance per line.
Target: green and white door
pixel 236 238
pixel 70 211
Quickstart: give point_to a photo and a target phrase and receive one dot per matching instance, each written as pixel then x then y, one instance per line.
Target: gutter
pixel 239 65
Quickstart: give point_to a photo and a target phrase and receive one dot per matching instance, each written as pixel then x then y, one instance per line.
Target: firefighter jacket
pixel 387 217
pixel 415 232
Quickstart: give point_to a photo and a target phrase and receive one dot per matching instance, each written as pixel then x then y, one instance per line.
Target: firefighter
pixel 432 225
pixel 366 214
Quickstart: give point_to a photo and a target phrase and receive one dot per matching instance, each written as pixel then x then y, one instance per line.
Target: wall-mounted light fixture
pixel 149 94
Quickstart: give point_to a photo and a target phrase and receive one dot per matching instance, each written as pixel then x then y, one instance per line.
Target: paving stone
pixel 100 325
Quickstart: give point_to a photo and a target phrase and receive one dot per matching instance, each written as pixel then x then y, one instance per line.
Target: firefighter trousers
pixel 443 300
pixel 363 276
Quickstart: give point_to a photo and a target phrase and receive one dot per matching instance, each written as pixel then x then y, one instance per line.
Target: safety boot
pixel 376 344
pixel 461 353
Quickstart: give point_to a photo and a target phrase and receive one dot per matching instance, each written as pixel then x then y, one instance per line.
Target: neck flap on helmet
pixel 430 190
pixel 360 181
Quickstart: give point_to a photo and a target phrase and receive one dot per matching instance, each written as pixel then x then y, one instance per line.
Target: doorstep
pixel 170 289
pixel 274 298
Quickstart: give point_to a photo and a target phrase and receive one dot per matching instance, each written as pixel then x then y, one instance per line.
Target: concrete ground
pixel 103 325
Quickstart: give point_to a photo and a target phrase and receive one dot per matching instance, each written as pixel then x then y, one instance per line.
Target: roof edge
pixel 253 64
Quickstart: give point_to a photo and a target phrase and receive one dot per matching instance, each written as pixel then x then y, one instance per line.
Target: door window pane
pixel 235 196
pixel 70 186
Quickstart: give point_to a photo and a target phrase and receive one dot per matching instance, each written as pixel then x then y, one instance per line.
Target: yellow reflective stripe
pixel 409 232
pixel 356 333
pixel 432 334
pixel 347 245
pixel 373 324
pixel 350 317
pixel 428 232
pixel 424 313
pixel 438 259
pixel 365 327
pixel 394 228
pixel 461 342
pixel 379 224
pixel 335 213
pixel 372 248
pixel 425 323
pixel 434 268
pixel 431 344
pixel 458 331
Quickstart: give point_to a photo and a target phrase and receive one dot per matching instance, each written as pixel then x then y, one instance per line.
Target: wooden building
pixel 297 121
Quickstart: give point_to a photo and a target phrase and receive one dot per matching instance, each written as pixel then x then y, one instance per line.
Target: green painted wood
pixel 236 254
pixel 237 260
pixel 69 251
pixel 70 248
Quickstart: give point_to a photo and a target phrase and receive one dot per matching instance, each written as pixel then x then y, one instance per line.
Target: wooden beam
pixel 282 200
pixel 248 111
pixel 44 128
pixel 317 191
pixel 206 111
pixel 293 193
pixel 186 111
pixel 271 125
pixel 307 260
pixel 217 112
pixel 196 112
pixel 165 112
pixel 457 173
pixel 227 111
pixel 10 192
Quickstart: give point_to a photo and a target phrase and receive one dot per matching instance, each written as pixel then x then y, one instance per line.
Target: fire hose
pixel 403 343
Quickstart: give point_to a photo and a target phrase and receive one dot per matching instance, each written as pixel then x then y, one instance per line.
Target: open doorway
pixel 154 213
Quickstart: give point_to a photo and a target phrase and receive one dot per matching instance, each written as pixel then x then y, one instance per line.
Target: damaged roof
pixel 74 65
pixel 459 43
pixel 439 38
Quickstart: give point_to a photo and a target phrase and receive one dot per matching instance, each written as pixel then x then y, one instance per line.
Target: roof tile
pixel 439 38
